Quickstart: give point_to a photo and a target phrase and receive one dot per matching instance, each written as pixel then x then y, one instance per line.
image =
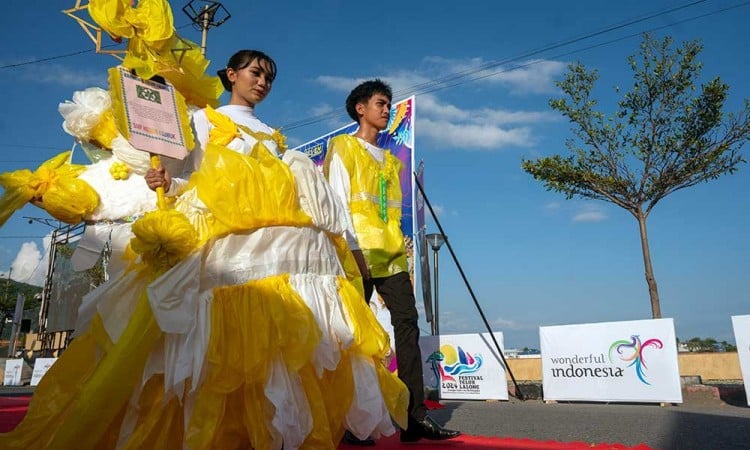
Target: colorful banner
pixel 741 325
pixel 421 244
pixel 421 224
pixel 398 137
pixel 464 366
pixel 633 361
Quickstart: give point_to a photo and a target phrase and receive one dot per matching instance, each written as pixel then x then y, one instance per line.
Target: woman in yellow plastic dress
pixel 240 324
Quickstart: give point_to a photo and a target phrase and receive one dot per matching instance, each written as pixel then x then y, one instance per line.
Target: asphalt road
pixel 704 426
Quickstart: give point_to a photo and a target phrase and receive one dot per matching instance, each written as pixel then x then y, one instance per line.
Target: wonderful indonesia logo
pixel 631 351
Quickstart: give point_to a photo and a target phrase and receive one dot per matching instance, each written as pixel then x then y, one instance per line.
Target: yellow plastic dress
pixel 255 335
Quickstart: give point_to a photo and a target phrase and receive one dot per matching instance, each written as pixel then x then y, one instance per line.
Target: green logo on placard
pixel 148 94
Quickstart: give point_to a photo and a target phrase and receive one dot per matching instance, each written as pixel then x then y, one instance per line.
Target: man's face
pixel 376 111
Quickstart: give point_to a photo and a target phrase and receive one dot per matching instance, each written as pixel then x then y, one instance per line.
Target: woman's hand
pixel 158 177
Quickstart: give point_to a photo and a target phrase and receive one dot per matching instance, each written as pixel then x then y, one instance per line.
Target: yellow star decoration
pixel 93 31
pixel 181 47
pixel 153 46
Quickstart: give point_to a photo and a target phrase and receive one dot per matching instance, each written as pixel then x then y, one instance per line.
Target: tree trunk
pixel 653 291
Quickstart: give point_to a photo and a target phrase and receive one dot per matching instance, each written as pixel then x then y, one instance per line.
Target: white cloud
pixel 452 322
pixel 589 216
pixel 589 213
pixel 577 211
pixel 292 141
pixel 65 76
pixel 335 121
pixel 506 324
pixel 473 136
pixel 30 264
pixel 340 84
pixel 450 126
pixel 399 81
pixel 323 108
pixel 535 76
pixel 431 106
pixel 404 81
pixel 440 211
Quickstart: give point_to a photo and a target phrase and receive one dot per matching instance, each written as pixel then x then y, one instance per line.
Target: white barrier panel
pixel 41 366
pixel 13 369
pixel 464 366
pixel 741 325
pixel 634 361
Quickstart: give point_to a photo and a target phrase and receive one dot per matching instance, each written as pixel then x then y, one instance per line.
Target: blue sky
pixel 532 257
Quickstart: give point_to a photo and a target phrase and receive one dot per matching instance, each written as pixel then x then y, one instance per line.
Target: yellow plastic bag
pixel 155 49
pixel 54 187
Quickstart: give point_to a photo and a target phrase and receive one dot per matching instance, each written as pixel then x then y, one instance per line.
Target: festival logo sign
pixel 449 362
pixel 594 362
pixel 464 366
pixel 633 351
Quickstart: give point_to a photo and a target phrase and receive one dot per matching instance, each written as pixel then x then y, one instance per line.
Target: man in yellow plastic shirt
pixel 366 178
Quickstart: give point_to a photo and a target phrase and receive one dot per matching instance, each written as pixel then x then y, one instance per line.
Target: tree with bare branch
pixel 667 134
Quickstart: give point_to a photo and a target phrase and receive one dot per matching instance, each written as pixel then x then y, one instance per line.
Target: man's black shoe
pixel 426 429
pixel 351 439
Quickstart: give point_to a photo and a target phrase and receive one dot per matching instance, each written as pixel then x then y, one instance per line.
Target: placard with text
pixel 632 361
pixel 151 115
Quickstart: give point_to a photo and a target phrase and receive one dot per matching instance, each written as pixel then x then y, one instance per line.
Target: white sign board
pixel 13 368
pixel 41 366
pixel 633 361
pixel 464 366
pixel 741 325
pixel 151 112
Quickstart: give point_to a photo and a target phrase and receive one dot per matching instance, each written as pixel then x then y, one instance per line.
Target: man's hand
pixel 362 264
pixel 158 177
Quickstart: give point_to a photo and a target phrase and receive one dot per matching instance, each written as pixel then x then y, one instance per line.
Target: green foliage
pixel 666 134
pixel 698 344
pixel 9 290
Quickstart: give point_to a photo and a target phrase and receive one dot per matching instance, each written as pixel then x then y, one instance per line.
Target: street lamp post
pixel 436 241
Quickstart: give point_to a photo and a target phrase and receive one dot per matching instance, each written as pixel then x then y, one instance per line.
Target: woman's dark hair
pixel 242 59
pixel 363 93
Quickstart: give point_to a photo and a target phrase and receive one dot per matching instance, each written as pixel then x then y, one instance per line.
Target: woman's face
pixel 251 84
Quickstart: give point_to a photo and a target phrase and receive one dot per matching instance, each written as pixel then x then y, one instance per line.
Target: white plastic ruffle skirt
pixel 181 302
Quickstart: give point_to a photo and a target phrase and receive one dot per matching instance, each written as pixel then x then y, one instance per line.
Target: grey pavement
pixel 700 423
pixel 704 426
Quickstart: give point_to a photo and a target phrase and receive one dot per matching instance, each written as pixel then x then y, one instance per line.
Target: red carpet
pixel 12 410
pixel 466 442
